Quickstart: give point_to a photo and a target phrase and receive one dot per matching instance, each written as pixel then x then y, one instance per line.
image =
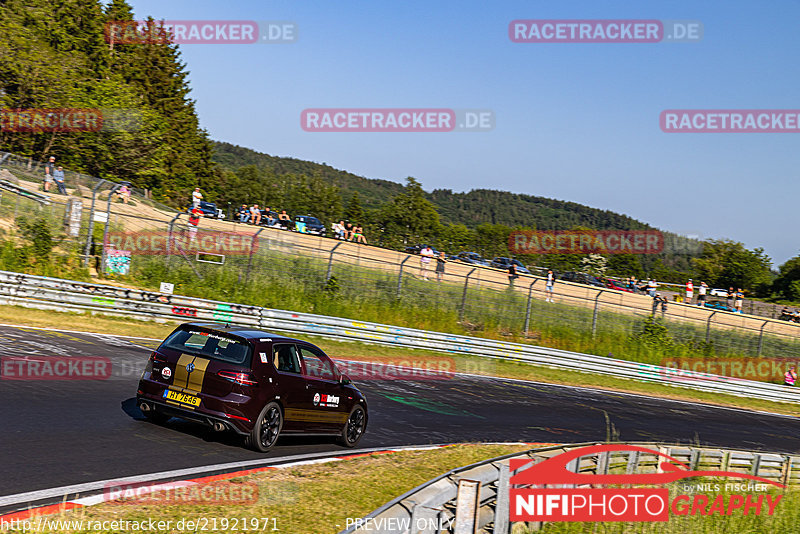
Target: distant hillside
pixel 470 209
pixel 373 192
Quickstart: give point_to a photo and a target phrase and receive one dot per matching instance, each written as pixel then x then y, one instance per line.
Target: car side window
pixel 284 357
pixel 317 365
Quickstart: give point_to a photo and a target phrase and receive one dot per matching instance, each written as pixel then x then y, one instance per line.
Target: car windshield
pixel 209 345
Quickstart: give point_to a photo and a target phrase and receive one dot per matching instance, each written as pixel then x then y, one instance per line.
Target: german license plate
pixel 183 398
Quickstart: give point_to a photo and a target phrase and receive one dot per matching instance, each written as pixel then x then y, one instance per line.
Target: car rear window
pixel 209 345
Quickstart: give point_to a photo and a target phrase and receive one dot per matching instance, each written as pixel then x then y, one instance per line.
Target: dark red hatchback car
pixel 255 383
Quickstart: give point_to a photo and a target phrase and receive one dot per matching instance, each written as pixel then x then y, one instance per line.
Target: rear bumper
pixel 211 409
pixel 197 416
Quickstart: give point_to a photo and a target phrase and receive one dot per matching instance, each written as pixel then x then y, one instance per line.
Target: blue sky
pixel 576 122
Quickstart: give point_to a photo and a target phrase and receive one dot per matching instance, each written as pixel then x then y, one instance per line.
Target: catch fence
pixel 268 266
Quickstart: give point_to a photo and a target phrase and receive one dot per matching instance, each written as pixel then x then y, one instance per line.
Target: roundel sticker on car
pixel 166 372
pixel 316 399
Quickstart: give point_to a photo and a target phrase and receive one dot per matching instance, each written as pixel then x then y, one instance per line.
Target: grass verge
pixel 310 499
pixel 381 353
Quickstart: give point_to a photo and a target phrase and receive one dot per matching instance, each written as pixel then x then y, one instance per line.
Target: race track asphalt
pixel 57 433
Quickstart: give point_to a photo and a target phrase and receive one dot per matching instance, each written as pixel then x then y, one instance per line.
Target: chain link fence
pixel 269 266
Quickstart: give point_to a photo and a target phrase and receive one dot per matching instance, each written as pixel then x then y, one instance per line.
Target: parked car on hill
pixel 472 258
pixel 617 285
pixel 503 263
pixel 414 249
pixel 209 209
pixel 718 292
pixel 581 278
pixel 717 305
pixel 306 224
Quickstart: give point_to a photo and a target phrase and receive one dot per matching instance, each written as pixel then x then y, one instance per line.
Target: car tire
pixel 354 427
pixel 267 428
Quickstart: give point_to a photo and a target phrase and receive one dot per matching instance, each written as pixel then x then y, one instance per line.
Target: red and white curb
pixel 141 487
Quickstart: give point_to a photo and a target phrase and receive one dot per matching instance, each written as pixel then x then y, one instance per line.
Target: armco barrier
pixel 486 485
pixel 57 294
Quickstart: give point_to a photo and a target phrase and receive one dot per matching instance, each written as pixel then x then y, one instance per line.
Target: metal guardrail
pixel 484 486
pixel 58 294
pixel 27 193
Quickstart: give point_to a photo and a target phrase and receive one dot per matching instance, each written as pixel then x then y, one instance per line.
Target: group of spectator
pixel 426 257
pixel 348 232
pixel 254 215
pixel 54 174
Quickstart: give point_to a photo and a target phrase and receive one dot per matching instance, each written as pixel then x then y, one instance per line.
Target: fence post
pixel 330 263
pixel 105 228
pixel 400 276
pixel 501 524
pixel 88 247
pixel 250 257
pixel 169 237
pixel 594 313
pixel 464 295
pixel 761 339
pixel 708 326
pixel 528 308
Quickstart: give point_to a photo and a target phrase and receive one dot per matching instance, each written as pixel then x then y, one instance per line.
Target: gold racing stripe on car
pixel 181 379
pixel 185 381
pixel 314 416
pixel 195 381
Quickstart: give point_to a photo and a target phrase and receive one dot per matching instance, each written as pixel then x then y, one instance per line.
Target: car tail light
pixel 155 357
pixel 244 379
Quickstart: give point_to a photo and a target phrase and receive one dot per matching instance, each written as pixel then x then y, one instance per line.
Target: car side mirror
pixel 344 380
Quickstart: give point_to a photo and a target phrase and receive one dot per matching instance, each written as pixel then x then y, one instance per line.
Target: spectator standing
pixel 701 294
pixel 197 197
pixel 790 377
pixel 425 256
pixel 49 170
pixel 244 214
pixel 440 261
pixel 58 176
pixel 512 273
pixel 738 300
pixel 548 286
pixel 651 287
pixel 194 221
pixel 255 215
pixel 729 298
pixel 689 291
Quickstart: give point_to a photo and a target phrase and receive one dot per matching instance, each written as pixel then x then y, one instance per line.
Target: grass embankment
pixel 362 351
pixel 313 499
pixel 289 278
pixel 785 519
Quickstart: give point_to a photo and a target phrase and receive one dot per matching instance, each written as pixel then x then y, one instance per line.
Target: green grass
pixel 311 499
pixel 298 281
